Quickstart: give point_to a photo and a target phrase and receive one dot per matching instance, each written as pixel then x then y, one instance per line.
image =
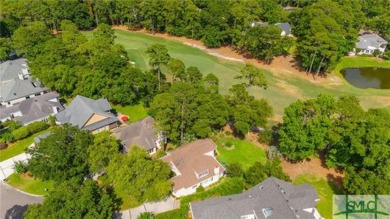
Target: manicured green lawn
pixel 29 184
pixel 242 152
pixel 135 113
pixel 283 88
pixel 325 190
pixel 18 147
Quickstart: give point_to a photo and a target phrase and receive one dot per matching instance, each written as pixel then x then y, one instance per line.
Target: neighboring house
pixel 368 43
pixel 31 110
pixel 38 139
pixel 272 198
pixel 16 83
pixel 194 165
pixel 141 133
pixel 285 28
pixel 88 114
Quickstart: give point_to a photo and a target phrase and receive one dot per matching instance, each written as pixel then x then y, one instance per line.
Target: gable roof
pixel 81 109
pixel 190 159
pixel 141 133
pixel 12 87
pixel 34 108
pixel 10 69
pixel 283 199
pixel 286 27
pixel 370 40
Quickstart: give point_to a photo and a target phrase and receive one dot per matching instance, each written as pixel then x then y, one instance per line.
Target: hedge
pixel 37 127
pixel 20 133
pixel 28 130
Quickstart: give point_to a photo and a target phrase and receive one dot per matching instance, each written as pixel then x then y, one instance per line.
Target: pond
pixel 378 78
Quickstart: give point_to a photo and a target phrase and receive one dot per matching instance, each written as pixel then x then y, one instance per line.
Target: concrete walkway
pixel 155 207
pixel 7 166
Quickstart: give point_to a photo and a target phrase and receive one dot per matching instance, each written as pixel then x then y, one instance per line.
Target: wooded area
pixel 324 30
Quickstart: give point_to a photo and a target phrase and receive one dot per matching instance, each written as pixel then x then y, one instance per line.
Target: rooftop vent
pixel 267 212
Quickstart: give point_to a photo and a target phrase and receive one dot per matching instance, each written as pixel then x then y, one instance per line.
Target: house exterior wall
pixel 152 150
pixel 104 128
pixel 18 100
pixel 192 189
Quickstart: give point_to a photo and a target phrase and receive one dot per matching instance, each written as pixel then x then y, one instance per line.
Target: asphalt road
pixel 12 199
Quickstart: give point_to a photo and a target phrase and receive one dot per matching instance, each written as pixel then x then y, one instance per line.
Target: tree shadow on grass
pixel 335 183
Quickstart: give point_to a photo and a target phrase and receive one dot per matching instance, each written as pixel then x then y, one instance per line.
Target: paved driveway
pixel 7 166
pixel 12 199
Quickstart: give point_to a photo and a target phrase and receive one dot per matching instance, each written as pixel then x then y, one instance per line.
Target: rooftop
pixel 370 40
pixel 190 159
pixel 141 133
pixel 81 109
pixel 272 197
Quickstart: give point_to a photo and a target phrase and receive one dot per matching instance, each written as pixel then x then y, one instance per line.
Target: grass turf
pixel 18 147
pixel 135 113
pixel 29 184
pixel 243 152
pixel 325 191
pixel 283 89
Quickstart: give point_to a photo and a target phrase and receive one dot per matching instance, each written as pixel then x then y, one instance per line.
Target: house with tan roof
pixel 194 165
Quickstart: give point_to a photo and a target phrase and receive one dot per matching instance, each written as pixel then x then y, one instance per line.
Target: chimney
pixel 216 170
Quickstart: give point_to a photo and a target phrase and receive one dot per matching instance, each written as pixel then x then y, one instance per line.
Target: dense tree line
pixel 70 156
pixel 71 64
pixel 351 138
pixel 325 30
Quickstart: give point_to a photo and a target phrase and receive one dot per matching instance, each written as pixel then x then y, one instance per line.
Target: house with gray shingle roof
pixel 272 198
pixel 368 43
pixel 16 83
pixel 88 114
pixel 142 133
pixel 285 28
pixel 34 109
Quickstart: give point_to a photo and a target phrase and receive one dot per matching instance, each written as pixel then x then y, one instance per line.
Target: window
pixel 203 174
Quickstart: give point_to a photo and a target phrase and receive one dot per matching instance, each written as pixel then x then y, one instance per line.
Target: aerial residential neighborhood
pixel 176 109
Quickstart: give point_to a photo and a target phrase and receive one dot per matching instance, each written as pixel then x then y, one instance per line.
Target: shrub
pixel 234 170
pixel 161 153
pixel 265 136
pixel 200 189
pixel 21 167
pixel 146 215
pixel 37 127
pixel 20 133
pixel 273 153
pixel 386 55
pixel 7 137
pixel 51 120
pixel 227 133
pixel 376 53
pixel 12 125
pixel 3 145
pixel 228 144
